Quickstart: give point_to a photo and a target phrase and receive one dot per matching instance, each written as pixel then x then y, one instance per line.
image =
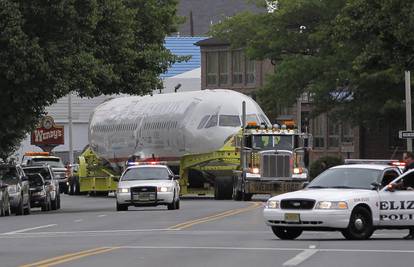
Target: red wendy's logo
pixel 47 133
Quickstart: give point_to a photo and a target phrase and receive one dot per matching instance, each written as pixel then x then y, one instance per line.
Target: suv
pixel 49 177
pixel 59 169
pixel 18 188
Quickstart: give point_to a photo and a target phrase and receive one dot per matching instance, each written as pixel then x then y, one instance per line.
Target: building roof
pixel 207 13
pixel 183 46
pixel 211 42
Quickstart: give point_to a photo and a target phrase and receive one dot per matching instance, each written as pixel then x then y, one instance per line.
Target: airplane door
pixel 397 207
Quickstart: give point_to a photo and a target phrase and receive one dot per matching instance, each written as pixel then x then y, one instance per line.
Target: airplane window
pixel 229 120
pixel 203 122
pixel 212 122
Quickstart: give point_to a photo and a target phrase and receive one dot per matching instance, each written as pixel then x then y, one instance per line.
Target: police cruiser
pixel 148 184
pixel 353 199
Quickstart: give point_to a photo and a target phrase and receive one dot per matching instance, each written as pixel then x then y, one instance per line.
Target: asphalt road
pixel 87 231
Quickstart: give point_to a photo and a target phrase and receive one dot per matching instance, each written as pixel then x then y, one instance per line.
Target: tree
pixel 92 47
pixel 346 53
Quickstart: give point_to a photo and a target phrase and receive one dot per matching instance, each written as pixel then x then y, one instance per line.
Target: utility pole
pixel 70 128
pixel 408 109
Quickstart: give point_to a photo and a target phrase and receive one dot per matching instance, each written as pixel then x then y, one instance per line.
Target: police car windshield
pixel 346 178
pixel 57 163
pixel 281 142
pixel 146 173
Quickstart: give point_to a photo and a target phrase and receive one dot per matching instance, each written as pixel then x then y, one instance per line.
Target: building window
pixel 319 131
pixel 333 133
pixel 250 71
pixel 237 67
pixel 347 133
pixel 212 67
pixel 223 68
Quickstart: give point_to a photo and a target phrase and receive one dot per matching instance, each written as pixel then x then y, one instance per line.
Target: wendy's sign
pixel 47 133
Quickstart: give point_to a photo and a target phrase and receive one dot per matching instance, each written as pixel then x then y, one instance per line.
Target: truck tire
pixel 360 225
pixel 121 207
pixel 286 233
pixel 54 203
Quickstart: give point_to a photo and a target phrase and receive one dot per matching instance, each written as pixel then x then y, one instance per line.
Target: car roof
pixel 364 166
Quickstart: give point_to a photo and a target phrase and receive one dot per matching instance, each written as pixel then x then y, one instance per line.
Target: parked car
pixel 40 191
pixel 46 171
pixel 18 188
pixel 4 200
pixel 148 185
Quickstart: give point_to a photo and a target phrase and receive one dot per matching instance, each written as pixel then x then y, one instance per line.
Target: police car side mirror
pixel 375 185
pixel 305 184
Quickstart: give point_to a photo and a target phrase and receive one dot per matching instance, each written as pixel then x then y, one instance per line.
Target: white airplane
pixel 168 126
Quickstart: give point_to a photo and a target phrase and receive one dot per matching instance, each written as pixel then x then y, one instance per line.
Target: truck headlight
pixel 273 204
pixel 332 205
pixel 165 189
pixel 123 190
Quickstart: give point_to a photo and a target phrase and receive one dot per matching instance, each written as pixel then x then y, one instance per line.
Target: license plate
pixel 262 188
pixel 292 217
pixel 143 197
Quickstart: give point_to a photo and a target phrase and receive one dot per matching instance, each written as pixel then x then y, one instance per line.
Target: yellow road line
pixel 69 257
pixel 210 218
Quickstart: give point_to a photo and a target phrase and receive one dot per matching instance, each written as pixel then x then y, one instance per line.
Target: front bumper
pixel 37 200
pixel 337 219
pixel 162 198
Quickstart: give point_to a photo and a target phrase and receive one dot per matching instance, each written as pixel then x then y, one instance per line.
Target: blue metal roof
pixel 183 46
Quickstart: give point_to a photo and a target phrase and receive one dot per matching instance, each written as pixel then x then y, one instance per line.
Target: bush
pixel 322 164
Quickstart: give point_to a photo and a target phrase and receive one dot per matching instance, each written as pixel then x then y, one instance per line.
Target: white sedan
pixel 353 199
pixel 148 185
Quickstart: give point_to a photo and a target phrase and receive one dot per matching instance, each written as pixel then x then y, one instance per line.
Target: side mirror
pixel 47 183
pixel 25 178
pixel 375 186
pixel 305 184
pixel 176 177
pixel 115 179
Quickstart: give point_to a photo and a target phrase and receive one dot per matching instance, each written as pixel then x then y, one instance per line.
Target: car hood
pixel 328 194
pixel 158 183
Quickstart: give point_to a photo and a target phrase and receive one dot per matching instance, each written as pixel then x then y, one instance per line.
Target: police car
pixel 353 199
pixel 148 185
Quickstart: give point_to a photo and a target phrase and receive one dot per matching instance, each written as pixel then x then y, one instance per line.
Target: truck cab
pixel 273 160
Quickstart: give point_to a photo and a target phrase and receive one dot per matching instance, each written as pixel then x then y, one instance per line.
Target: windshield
pixel 146 173
pixel 8 175
pixel 281 142
pixel 57 163
pixel 43 171
pixel 346 178
pixel 35 180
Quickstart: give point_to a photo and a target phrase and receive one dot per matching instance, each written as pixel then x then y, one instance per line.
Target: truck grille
pixel 297 204
pixel 275 165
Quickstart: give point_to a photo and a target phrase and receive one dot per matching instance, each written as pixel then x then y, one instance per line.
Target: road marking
pixel 301 257
pixel 214 217
pixel 266 249
pixel 102 215
pixel 78 220
pixel 69 257
pixel 29 229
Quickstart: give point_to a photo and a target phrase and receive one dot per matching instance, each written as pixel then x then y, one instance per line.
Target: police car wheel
pixel 360 225
pixel 286 233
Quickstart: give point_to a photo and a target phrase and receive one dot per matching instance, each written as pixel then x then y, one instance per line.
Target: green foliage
pixel 322 164
pixel 92 47
pixel 349 54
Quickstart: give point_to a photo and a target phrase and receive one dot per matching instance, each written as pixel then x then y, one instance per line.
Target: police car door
pixel 397 206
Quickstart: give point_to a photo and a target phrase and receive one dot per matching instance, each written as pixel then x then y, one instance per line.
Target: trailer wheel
pixel 121 207
pixel 223 188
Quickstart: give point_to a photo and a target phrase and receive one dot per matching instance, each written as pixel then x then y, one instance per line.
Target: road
pixel 87 231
